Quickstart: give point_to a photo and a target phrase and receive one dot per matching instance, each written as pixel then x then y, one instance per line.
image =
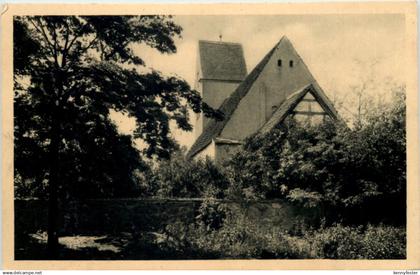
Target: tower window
pixel 291 63
pixel 279 62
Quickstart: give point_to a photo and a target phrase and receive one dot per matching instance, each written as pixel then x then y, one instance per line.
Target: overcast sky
pixel 329 44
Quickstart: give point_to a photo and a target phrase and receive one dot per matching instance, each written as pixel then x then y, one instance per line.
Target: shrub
pixel 181 178
pixel 384 243
pixel 240 238
pixel 211 214
pixel 375 242
pixel 336 242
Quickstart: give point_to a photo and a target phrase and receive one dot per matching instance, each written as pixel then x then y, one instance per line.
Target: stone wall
pixel 107 216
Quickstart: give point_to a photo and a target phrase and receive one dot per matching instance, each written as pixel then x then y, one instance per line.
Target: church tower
pixel 220 69
pixel 279 86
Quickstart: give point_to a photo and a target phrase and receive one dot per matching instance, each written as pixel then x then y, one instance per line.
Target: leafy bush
pixel 336 242
pixel 240 238
pixel 211 214
pixel 181 178
pixel 331 166
pixel 375 242
pixel 384 243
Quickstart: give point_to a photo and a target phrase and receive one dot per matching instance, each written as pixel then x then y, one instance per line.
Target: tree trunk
pixel 53 185
pixel 52 243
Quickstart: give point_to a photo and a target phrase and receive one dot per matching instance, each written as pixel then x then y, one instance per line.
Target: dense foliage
pixel 240 238
pixel 70 71
pixel 330 165
pixel 354 175
pixel 181 178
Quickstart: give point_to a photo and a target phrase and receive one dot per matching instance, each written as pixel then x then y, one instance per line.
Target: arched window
pixel 291 63
pixel 279 62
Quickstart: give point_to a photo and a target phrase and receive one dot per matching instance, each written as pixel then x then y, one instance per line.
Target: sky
pixel 341 51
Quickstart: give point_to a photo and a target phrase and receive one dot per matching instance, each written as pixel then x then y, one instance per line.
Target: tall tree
pixel 70 71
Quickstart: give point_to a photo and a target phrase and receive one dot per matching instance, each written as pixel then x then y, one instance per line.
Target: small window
pixel 291 63
pixel 279 62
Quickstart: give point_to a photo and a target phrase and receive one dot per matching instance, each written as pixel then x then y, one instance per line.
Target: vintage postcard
pixel 210 136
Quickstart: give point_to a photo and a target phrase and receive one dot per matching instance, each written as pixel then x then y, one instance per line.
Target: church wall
pixel 209 151
pixel 271 88
pixel 215 92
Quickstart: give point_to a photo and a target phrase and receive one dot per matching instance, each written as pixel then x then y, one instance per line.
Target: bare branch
pixel 67 37
pixel 91 43
pixel 72 42
pixel 77 35
pixel 64 50
pixel 49 45
pixel 44 33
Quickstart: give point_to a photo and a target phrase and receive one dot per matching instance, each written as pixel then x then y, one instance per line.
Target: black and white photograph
pixel 210 136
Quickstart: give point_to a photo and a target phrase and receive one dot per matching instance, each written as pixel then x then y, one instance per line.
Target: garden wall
pixel 107 216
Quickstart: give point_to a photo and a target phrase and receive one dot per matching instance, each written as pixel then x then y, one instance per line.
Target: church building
pixel 279 86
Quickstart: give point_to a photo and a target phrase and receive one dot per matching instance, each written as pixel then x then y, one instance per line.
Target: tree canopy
pixel 70 71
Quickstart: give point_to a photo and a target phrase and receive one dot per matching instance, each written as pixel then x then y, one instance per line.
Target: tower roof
pixel 222 60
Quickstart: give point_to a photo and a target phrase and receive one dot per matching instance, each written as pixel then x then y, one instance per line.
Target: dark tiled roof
pixel 290 103
pixel 214 127
pixel 222 60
